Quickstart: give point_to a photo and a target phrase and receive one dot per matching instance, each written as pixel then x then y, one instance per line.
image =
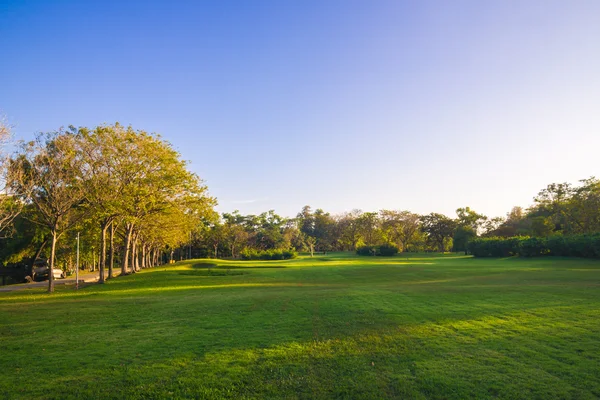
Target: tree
pixel 150 179
pixel 399 227
pixel 515 224
pixel 214 237
pixel 48 173
pixel 368 228
pixel 438 228
pixel 468 225
pixel 554 203
pixel 235 234
pixel 585 203
pixel 10 205
pixel 348 229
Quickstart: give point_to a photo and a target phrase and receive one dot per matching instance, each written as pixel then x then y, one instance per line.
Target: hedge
pixel 587 246
pixel 268 255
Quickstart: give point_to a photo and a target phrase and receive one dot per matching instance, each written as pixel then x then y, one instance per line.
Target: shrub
pixel 386 250
pixel 366 250
pixel 249 254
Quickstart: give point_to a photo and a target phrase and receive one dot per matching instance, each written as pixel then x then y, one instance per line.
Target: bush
pixel 587 246
pixel 386 250
pixel 366 250
pixel 249 254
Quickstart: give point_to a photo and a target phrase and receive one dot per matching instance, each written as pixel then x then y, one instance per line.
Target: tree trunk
pixel 127 248
pixel 51 266
pixel 111 260
pixel 102 261
pixel 215 246
pixel 133 254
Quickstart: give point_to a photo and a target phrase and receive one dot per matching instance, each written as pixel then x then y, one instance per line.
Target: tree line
pixel 126 193
pixel 559 209
pixel 130 199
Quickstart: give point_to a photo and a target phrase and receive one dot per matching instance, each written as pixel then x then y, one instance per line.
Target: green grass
pixel 334 326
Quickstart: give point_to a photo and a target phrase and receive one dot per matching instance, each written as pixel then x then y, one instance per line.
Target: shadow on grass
pixel 485 356
pixel 217 266
pixel 213 272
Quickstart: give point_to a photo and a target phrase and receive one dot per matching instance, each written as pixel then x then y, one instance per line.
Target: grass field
pixel 333 326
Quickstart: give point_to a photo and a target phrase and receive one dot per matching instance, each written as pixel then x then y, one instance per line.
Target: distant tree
pixel 468 225
pixel 310 242
pixel 554 203
pixel 10 205
pixel 399 227
pixel 368 226
pixel 585 205
pixel 214 237
pixel 515 224
pixel 348 229
pixel 235 234
pixel 438 228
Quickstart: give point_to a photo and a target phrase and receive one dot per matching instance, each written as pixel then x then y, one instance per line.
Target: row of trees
pixel 133 202
pixel 127 192
pixel 559 209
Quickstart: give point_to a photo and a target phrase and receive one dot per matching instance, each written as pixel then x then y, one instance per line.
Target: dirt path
pixel 84 277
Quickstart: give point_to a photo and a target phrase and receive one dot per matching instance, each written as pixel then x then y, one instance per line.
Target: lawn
pixel 334 326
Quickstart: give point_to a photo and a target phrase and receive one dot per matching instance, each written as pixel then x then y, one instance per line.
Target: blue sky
pixel 418 105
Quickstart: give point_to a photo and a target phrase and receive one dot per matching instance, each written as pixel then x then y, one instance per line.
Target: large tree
pixel 49 173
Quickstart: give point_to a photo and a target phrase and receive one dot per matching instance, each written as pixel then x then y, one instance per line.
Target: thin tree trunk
pixel 111 261
pixel 102 261
pixel 127 248
pixel 137 253
pixel 51 266
pixel 133 254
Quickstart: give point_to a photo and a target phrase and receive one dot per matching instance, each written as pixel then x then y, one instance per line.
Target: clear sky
pixel 339 104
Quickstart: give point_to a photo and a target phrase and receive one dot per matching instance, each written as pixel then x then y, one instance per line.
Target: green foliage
pixel 386 250
pixel 366 250
pixel 462 236
pixel 439 228
pixel 587 246
pixel 274 254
